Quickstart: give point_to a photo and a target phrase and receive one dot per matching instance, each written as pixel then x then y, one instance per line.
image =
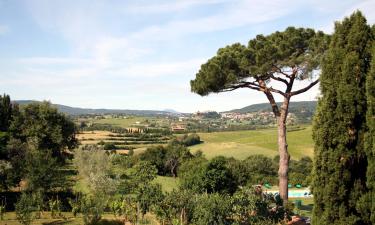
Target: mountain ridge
pixel 81 111
pixel 261 107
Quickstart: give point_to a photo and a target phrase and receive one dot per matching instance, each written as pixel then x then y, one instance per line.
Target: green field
pixel 241 144
pixel 132 121
pixel 167 183
pixel 122 122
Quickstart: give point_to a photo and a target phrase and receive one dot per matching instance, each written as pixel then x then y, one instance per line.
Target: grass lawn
pixel 123 122
pixel 167 183
pixel 241 144
pixel 306 208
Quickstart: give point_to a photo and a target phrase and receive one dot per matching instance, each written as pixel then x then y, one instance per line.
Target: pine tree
pixel 339 179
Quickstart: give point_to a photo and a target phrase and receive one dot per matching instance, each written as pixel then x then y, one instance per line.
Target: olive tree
pixel 281 57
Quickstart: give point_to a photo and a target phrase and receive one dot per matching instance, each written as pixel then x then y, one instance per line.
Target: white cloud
pixel 238 14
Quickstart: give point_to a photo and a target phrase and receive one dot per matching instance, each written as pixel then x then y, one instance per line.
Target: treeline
pixel 176 160
pixel 120 130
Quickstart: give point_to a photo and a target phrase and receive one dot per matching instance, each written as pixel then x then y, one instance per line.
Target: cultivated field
pixel 122 142
pixel 131 121
pixel 241 144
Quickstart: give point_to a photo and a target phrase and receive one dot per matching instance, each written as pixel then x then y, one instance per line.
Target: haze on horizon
pixel 141 54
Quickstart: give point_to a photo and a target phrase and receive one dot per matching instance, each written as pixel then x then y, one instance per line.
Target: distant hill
pixel 304 110
pixel 81 111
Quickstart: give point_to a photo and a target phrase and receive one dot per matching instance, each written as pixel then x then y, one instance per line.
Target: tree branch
pixel 304 89
pixel 275 107
pixel 251 85
pixel 276 91
pixel 280 71
pixel 279 79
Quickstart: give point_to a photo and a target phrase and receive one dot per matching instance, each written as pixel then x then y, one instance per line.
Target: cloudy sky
pixel 141 54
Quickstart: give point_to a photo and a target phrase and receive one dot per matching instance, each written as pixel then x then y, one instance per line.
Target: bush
pixel 109 146
pixel 25 208
pixel 201 176
pixel 212 209
pixel 2 211
pixel 92 208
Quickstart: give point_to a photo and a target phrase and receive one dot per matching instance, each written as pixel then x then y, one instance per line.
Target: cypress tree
pixel 370 136
pixel 340 163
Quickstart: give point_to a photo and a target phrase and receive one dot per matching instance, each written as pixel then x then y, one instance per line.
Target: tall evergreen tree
pixel 5 112
pixel 370 136
pixel 340 163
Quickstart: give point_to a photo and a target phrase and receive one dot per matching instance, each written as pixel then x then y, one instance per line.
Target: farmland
pixel 237 144
pixel 241 144
pixel 121 143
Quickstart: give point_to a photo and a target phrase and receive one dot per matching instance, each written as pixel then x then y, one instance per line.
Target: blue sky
pixel 141 54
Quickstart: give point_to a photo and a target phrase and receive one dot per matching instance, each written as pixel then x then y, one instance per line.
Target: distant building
pixel 178 126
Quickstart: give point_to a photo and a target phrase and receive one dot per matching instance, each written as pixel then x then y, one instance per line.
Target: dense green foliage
pixel 33 141
pixel 46 127
pixel 370 137
pixel 340 124
pixel 212 209
pixel 203 176
pixel 6 109
pixel 188 140
pixel 167 159
pixel 25 208
pixel 42 171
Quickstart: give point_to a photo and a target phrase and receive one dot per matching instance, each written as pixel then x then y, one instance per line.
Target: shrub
pixel 2 211
pixel 109 146
pixel 212 209
pixel 92 208
pixel 25 208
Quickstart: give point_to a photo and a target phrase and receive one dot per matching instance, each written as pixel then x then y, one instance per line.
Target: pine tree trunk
pixel 283 152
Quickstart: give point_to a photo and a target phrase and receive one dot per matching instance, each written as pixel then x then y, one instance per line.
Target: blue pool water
pixel 295 193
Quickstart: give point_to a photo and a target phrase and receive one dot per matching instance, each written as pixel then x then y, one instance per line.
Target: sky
pixel 142 54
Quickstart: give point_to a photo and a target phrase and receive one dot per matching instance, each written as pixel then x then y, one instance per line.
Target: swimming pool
pixel 305 193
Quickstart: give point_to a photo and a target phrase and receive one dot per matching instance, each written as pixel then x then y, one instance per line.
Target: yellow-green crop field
pixel 242 144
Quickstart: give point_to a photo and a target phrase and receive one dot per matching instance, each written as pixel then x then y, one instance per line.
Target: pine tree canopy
pixel 265 58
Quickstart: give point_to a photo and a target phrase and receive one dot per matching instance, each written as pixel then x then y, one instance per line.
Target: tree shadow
pixel 308 207
pixel 57 222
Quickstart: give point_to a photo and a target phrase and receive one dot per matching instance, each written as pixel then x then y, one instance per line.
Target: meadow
pixel 242 144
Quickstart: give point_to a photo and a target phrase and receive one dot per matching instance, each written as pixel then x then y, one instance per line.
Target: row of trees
pixel 220 174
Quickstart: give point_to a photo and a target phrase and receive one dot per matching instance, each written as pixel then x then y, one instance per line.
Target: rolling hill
pixel 304 110
pixel 81 111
